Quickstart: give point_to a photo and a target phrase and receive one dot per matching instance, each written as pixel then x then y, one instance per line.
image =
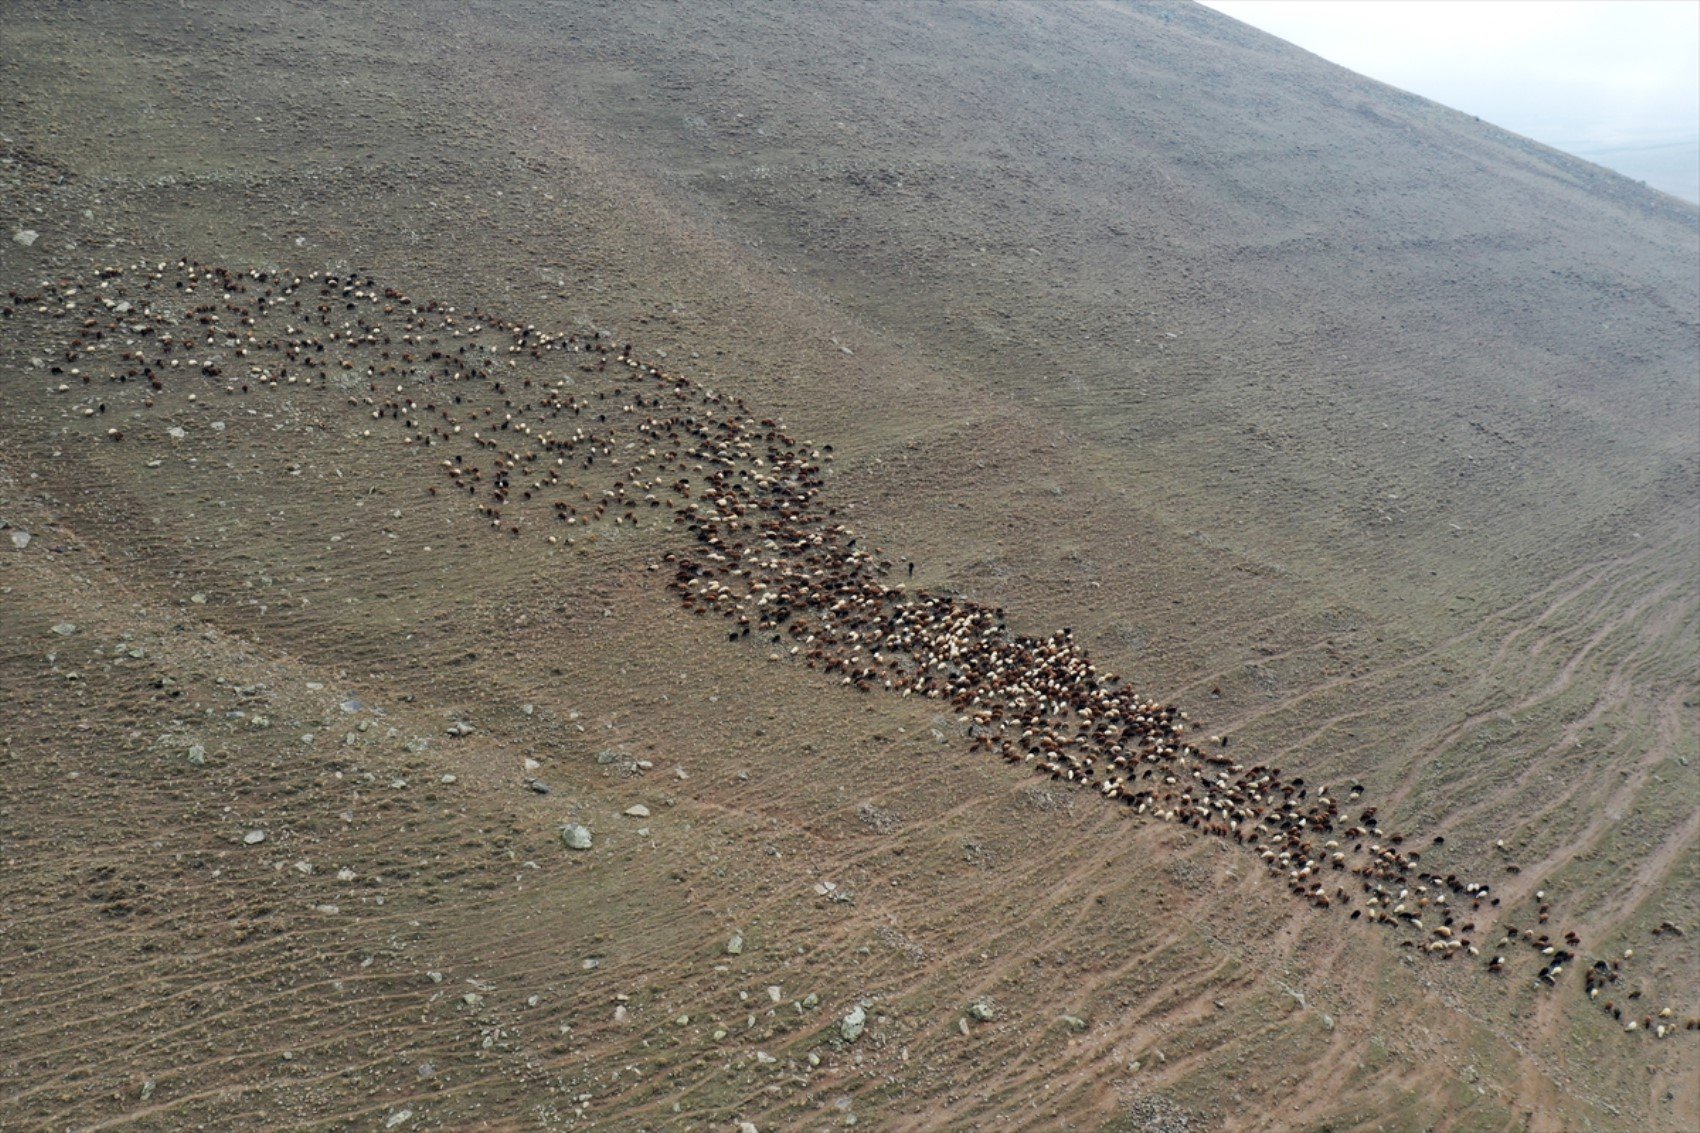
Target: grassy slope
pixel 1269 380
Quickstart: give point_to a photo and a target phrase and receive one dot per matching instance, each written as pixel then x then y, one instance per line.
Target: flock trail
pixel 575 440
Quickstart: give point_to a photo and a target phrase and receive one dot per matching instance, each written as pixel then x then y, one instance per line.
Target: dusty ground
pixel 1362 430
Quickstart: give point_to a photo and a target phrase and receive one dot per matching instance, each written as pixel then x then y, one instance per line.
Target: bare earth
pixel 1363 431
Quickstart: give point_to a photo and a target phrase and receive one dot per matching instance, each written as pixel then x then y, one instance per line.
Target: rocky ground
pixel 1356 428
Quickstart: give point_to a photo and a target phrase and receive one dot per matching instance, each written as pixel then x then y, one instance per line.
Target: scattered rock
pixel 460 728
pixel 399 1117
pixel 64 629
pixel 197 755
pixel 1154 1113
pixel 876 819
pixel 1074 1022
pixel 253 837
pixel 538 785
pixel 982 1011
pixel 576 837
pixel 449 780
pixel 637 811
pixel 26 236
pixel 20 539
pixel 735 946
pixel 853 1024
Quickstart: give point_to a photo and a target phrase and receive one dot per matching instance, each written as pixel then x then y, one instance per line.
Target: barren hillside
pixel 1362 432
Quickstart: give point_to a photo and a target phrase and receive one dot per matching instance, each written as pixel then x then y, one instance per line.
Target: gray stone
pixel 460 728
pixel 982 1011
pixel 538 785
pixel 575 837
pixel 26 236
pixel 1074 1022
pixel 853 1024
pixel 20 539
pixel 637 811
pixel 735 946
pixel 253 837
pixel 64 629
pixel 197 755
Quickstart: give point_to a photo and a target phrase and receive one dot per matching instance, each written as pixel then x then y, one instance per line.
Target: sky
pixel 1614 81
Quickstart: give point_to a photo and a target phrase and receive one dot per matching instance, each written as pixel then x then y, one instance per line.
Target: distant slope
pixel 1364 431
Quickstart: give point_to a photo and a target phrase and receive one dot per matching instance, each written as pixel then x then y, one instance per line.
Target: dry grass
pixel 1363 430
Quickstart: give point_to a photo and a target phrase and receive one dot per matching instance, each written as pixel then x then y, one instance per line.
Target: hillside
pixel 1361 431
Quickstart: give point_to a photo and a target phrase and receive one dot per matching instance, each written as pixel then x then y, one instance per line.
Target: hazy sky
pixel 1615 81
